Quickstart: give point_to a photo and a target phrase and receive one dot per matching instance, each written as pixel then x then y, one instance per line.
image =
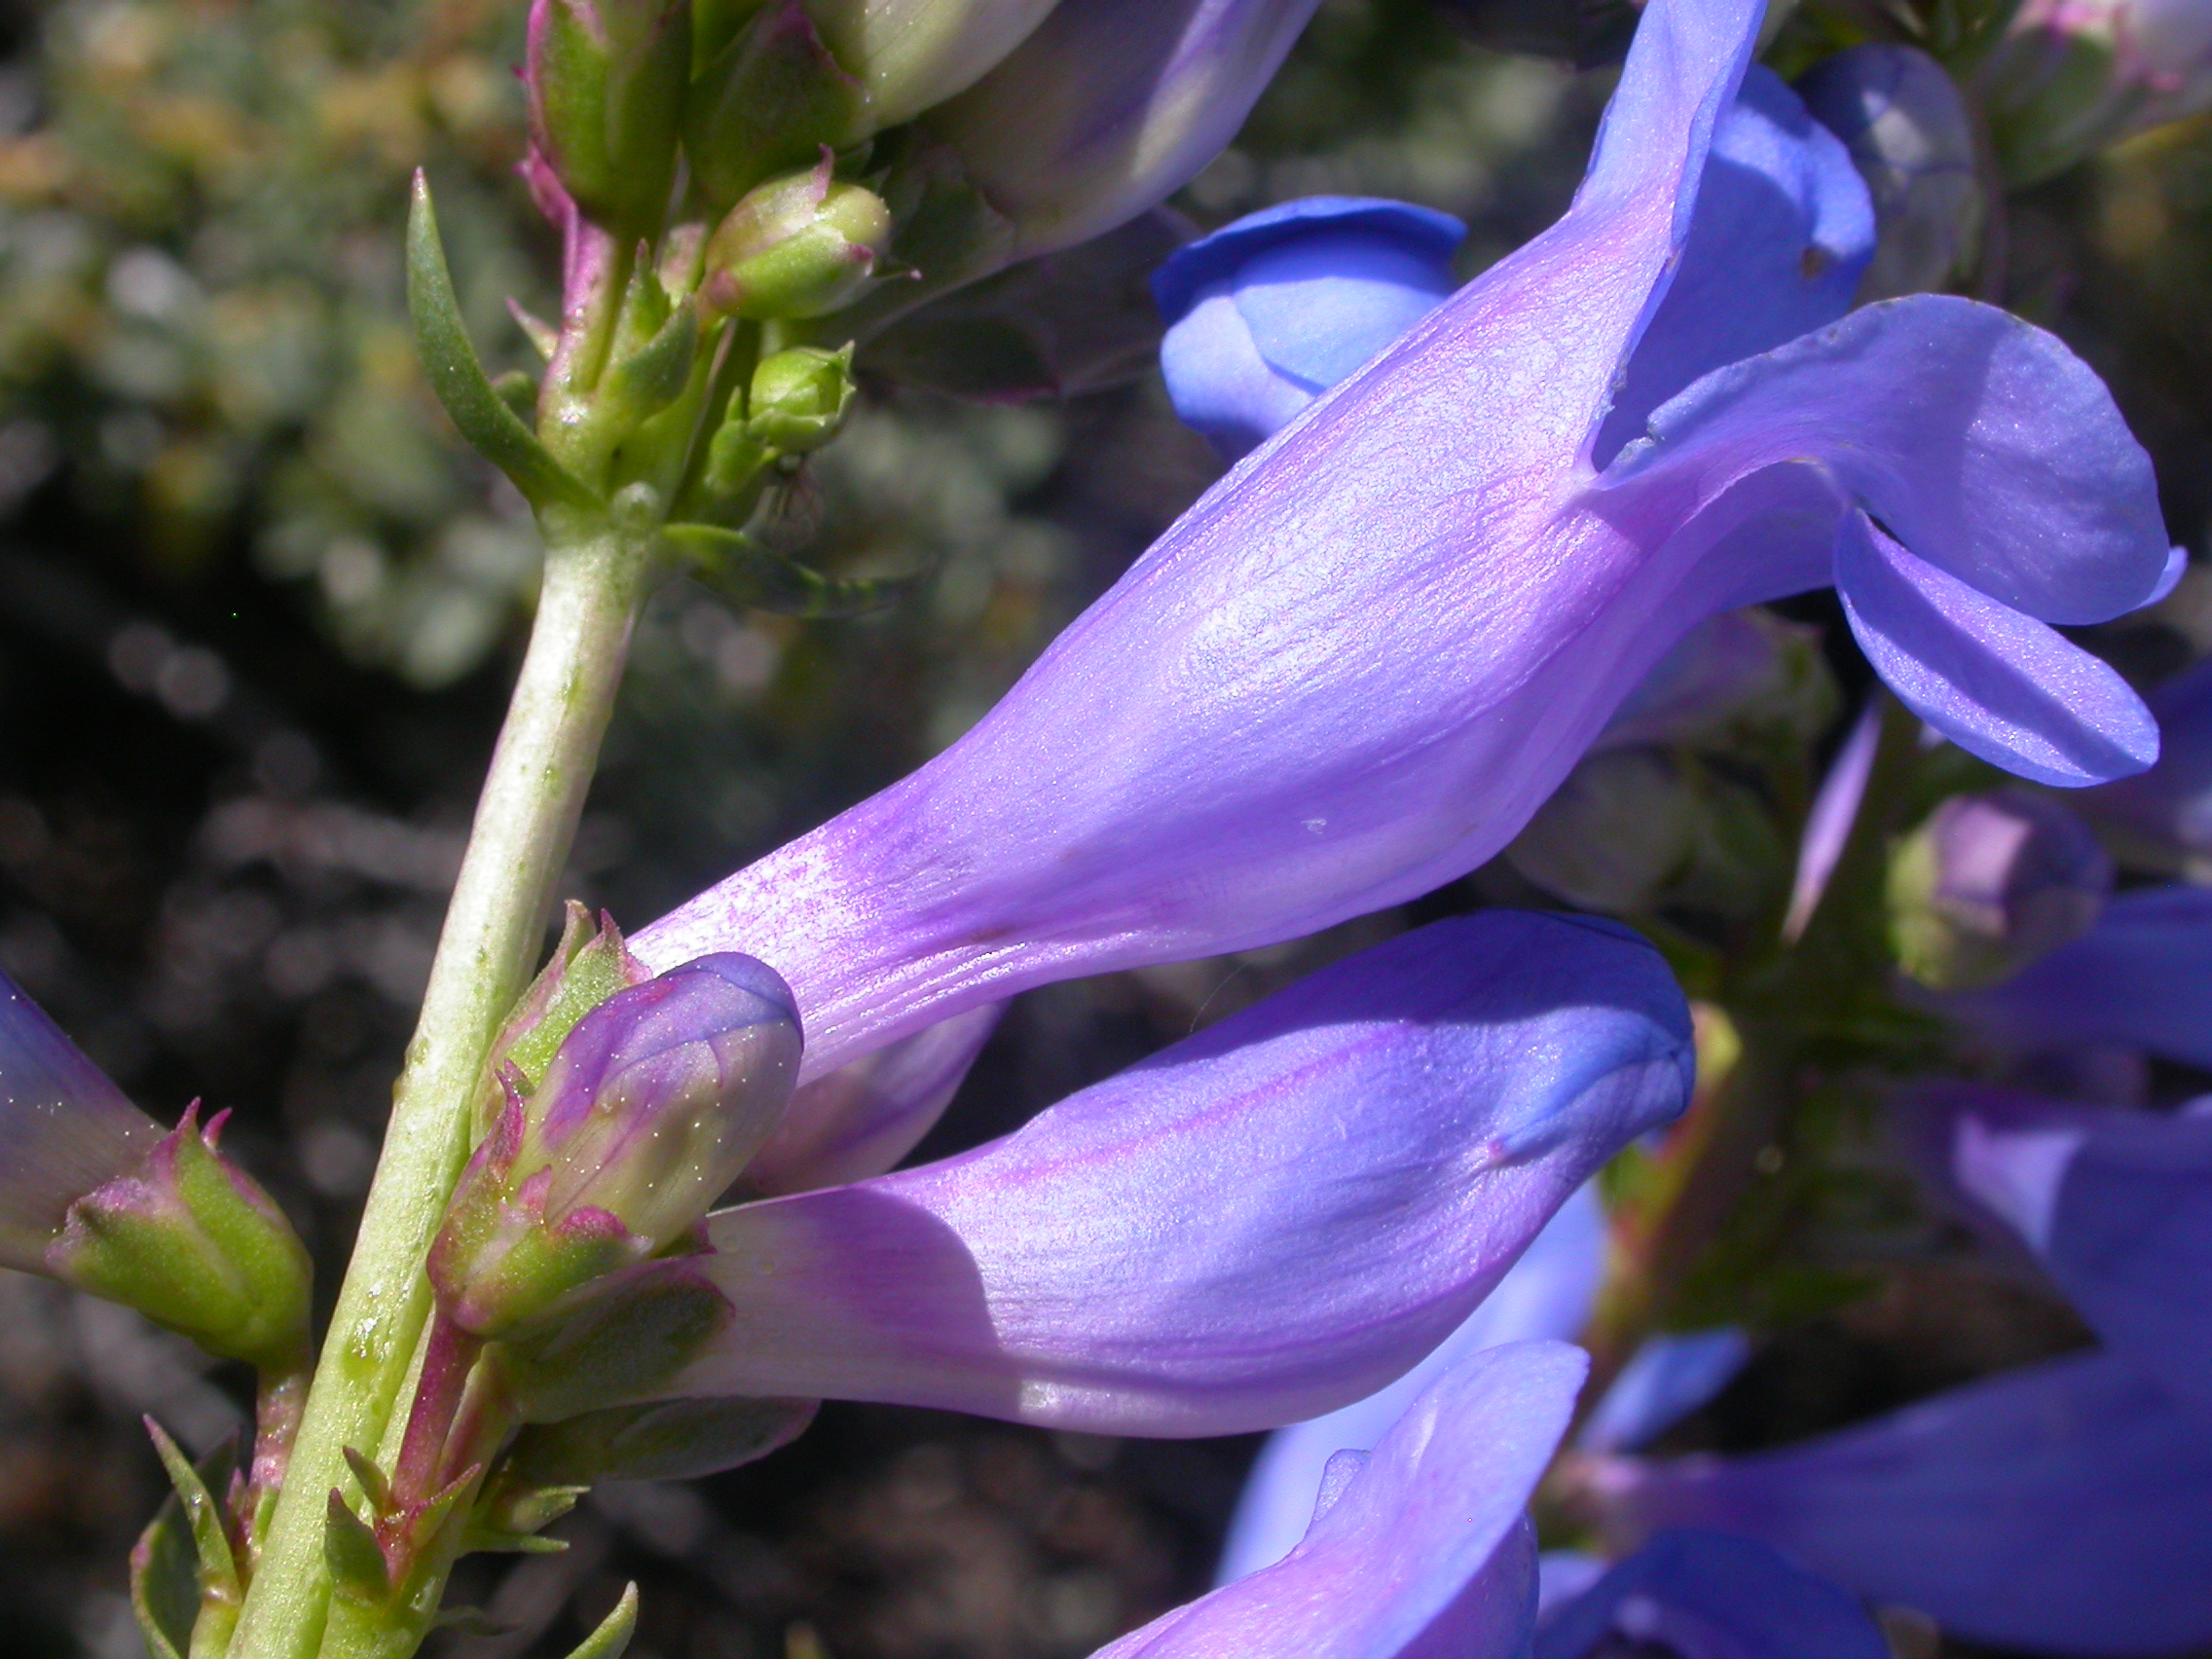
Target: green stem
pixel 494 927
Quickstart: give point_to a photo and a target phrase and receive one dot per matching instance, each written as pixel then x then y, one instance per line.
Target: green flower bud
pixel 604 80
pixel 797 246
pixel 195 1244
pixel 800 398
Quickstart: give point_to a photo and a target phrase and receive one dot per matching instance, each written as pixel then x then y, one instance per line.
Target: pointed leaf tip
pixel 614 1631
pixel 457 375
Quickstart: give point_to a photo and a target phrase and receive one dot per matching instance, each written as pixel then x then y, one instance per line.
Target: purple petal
pixel 864 1118
pixel 1998 684
pixel 65 1129
pixel 2141 978
pixel 1221 387
pixel 1708 1596
pixel 1665 1380
pixel 1263 1223
pixel 2115 1204
pixel 2058 1508
pixel 2167 813
pixel 1424 1553
pixel 1980 442
pixel 1548 1293
pixel 1326 677
pixel 1784 227
pixel 1835 809
pixel 1217 257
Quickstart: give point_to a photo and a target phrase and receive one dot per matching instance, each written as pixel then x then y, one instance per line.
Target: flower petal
pixel 1267 1221
pixel 2141 977
pixel 1979 441
pixel 861 1119
pixel 1665 1380
pixel 65 1129
pixel 1548 1293
pixel 1708 1596
pixel 1784 227
pixel 1998 684
pixel 1320 680
pixel 2165 814
pixel 2058 1508
pixel 1424 1553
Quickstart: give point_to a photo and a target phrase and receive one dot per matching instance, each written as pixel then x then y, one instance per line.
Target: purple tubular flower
pixel 1419 1550
pixel 1709 1596
pixel 2141 978
pixel 2115 1204
pixel 2058 1508
pixel 2163 817
pixel 1108 108
pixel 1547 1295
pixel 1269 313
pixel 1361 662
pixel 862 1119
pixel 1263 1223
pixel 65 1130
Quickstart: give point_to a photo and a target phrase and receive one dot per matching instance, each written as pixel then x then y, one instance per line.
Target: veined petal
pixel 1998 684
pixel 1709 1596
pixel 1423 1552
pixel 1979 441
pixel 1548 1294
pixel 1323 679
pixel 1263 1223
pixel 2115 1204
pixel 2141 977
pixel 862 1119
pixel 65 1129
pixel 2058 1508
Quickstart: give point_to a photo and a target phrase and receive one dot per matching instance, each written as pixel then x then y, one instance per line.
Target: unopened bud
pixel 797 246
pixel 1899 114
pixel 800 398
pixel 1988 884
pixel 650 1107
pixel 192 1242
pixel 606 80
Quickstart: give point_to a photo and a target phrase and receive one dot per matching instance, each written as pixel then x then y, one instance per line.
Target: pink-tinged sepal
pixel 191 1242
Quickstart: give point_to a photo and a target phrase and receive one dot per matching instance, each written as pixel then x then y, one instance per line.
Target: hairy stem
pixel 524 822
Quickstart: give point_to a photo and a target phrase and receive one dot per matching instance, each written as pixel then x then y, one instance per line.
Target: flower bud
pixel 2073 76
pixel 797 246
pixel 1988 884
pixel 1107 108
pixel 604 80
pixel 799 398
pixel 648 1110
pixel 94 1193
pixel 1269 313
pixel 912 54
pixel 1899 113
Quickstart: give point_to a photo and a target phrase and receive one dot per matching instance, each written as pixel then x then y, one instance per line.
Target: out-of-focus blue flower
pixel 1834 809
pixel 1363 660
pixel 1899 114
pixel 1664 1380
pixel 2057 1508
pixel 1370 1150
pixel 2140 978
pixel 1267 314
pixel 1547 1296
pixel 2163 818
pixel 2115 1204
pixel 1708 1596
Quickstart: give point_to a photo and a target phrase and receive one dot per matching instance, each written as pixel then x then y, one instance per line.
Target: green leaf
pixel 743 571
pixel 349 1550
pixel 374 1487
pixel 614 1631
pixel 544 338
pixel 164 1566
pixel 450 361
pixel 218 1572
pixel 650 378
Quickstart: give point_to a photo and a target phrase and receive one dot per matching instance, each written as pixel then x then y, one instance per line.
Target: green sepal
pixel 614 1631
pixel 623 1338
pixel 519 392
pixel 359 1570
pixel 587 967
pixel 944 232
pixel 736 458
pixel 652 377
pixel 769 100
pixel 737 567
pixel 661 1440
pixel 544 338
pixel 165 1590
pixel 374 1487
pixel 218 1569
pixel 517 1506
pixel 450 363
